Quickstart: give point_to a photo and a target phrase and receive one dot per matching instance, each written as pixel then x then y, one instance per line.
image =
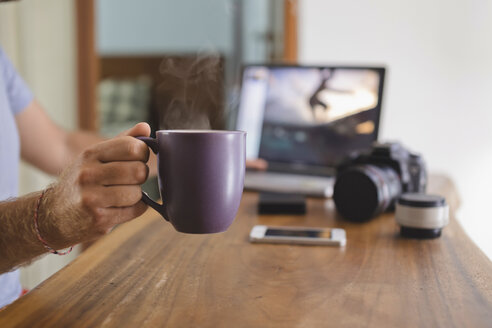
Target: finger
pixel 111 216
pixel 141 129
pixel 120 149
pixel 257 164
pixel 113 196
pixel 117 215
pixel 114 173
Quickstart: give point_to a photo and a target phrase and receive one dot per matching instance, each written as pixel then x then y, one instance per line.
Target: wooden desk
pixel 145 274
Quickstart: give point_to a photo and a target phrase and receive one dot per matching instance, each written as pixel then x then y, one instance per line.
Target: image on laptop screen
pixel 309 115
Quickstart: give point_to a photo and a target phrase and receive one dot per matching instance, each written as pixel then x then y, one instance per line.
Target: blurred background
pixel 105 64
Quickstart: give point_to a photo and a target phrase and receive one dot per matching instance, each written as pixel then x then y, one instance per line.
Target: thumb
pixel 141 129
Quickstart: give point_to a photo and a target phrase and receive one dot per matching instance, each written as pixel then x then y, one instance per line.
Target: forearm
pixel 18 239
pixel 46 145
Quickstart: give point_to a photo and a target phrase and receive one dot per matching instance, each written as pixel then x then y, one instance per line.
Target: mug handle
pixel 152 144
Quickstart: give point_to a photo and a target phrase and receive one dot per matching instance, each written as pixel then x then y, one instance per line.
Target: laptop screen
pixel 309 116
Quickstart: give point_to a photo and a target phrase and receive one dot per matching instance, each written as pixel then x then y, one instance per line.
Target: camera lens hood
pixel 421 215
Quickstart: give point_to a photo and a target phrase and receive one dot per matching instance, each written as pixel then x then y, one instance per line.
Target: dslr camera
pixel 369 183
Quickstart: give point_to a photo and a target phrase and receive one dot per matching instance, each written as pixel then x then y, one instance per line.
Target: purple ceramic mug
pixel 201 177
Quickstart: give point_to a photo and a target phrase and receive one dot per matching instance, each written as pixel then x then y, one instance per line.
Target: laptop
pixel 304 120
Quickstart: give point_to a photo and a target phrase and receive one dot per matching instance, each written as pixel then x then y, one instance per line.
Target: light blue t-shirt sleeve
pixel 18 93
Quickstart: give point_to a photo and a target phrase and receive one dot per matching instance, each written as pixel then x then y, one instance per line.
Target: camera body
pixel 369 183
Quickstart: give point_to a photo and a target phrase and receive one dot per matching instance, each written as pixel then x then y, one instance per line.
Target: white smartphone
pixel 298 235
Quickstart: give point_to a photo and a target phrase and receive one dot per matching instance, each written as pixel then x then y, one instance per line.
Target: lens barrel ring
pixel 421 216
pixel 364 191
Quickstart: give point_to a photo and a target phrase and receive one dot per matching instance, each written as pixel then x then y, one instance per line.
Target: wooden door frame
pixel 290 30
pixel 87 65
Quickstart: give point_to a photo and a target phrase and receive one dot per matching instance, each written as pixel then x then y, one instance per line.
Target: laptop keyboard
pixel 315 186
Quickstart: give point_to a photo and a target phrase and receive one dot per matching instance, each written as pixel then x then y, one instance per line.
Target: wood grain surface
pixel 144 274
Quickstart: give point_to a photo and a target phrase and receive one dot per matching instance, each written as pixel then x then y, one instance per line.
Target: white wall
pixel 39 37
pixel 439 57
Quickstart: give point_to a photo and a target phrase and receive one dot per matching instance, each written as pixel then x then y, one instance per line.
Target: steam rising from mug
pixel 191 95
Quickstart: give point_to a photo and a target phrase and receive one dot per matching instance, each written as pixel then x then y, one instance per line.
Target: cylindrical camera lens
pixel 421 216
pixel 365 191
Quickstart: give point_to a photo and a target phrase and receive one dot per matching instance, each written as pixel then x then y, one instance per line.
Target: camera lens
pixel 365 191
pixel 421 216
